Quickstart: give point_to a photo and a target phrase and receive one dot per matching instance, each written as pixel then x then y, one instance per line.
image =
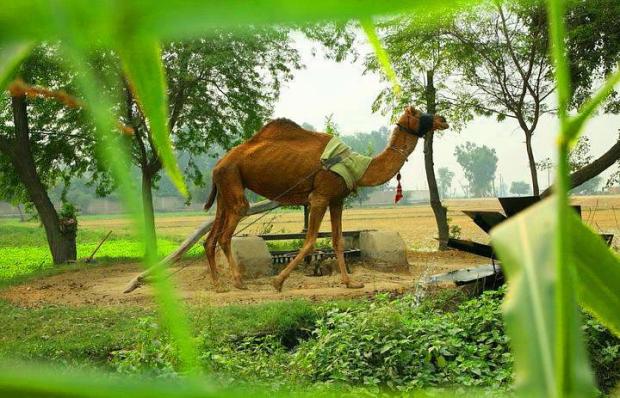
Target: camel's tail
pixel 212 196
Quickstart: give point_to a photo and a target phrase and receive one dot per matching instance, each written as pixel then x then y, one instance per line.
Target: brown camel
pixel 282 162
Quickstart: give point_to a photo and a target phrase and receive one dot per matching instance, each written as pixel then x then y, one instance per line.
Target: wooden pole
pixel 89 259
pixel 188 243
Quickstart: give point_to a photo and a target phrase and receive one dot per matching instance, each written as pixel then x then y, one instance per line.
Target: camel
pixel 282 162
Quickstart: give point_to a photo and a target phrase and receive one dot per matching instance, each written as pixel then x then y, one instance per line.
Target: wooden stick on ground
pixel 188 243
pixel 90 259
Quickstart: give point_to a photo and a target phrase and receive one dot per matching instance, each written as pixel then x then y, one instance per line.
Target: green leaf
pixel 598 275
pixel 142 63
pixel 11 56
pixel 525 245
pixel 382 55
pixel 101 21
pixel 41 381
pixel 114 152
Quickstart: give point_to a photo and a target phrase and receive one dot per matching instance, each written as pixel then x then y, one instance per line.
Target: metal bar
pixel 302 235
pixel 471 247
pixel 485 219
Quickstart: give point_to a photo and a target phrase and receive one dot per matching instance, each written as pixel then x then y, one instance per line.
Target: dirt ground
pixel 103 285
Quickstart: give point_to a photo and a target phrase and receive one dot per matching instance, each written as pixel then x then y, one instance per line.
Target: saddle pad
pixel 353 165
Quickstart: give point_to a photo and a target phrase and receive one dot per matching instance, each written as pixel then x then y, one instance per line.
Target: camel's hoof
pixel 277 284
pixel 221 289
pixel 240 286
pixel 354 285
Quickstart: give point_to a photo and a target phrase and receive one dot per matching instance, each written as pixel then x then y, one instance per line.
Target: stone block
pixel 385 248
pixel 252 255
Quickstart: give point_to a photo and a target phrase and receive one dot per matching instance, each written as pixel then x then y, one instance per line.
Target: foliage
pixel 504 61
pixel 274 345
pixel 574 263
pixel 445 176
pixel 479 164
pixel 60 151
pixel 398 346
pixel 593 55
pixel 590 187
pixel 520 188
pixel 107 26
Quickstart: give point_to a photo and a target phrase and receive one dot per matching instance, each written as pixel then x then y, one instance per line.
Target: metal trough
pixel 490 276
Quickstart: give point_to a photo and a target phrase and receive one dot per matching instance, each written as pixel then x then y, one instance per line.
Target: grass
pixel 24 251
pixel 87 336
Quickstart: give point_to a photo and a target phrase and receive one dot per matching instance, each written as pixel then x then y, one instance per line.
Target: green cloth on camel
pixel 353 165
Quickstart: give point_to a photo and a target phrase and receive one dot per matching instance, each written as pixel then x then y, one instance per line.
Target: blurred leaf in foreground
pixel 525 244
pixel 143 66
pixel 11 56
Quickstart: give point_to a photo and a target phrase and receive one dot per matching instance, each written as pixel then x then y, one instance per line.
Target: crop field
pixel 415 223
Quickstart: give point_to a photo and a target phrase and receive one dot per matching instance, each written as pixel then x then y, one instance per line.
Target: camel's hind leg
pixel 210 246
pixel 230 223
pixel 335 214
pixel 318 206
pixel 234 207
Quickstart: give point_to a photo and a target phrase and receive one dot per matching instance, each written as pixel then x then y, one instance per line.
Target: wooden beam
pixel 189 242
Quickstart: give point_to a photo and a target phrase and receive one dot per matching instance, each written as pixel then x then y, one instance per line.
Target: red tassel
pixel 399 189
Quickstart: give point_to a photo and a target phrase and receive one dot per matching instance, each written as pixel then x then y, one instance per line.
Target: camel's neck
pixel 386 164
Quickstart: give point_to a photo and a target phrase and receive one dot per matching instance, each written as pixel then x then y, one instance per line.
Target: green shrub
pixel 396 345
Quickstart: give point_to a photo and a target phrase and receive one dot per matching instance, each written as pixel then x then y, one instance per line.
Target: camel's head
pixel 417 123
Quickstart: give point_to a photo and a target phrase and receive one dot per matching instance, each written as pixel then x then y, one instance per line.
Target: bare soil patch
pixel 103 285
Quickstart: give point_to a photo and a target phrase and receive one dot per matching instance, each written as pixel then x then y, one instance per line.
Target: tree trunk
pixel 147 205
pixel 532 162
pixel 61 240
pixel 591 170
pixel 22 218
pixel 439 210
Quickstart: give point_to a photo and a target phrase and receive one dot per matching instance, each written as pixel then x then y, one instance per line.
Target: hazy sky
pixel 326 87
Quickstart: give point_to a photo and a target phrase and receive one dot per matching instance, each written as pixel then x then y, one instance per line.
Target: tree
pixel 585 171
pixel 222 89
pixel 43 143
pixel 594 47
pixel 590 187
pixel 445 180
pixel 423 64
pixel 479 165
pixel 505 67
pixel 614 177
pixel 520 188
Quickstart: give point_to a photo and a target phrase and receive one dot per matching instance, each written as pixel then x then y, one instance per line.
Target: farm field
pixel 23 251
pixel 77 315
pixel 415 223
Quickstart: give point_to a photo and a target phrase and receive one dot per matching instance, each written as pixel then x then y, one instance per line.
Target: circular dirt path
pixel 103 285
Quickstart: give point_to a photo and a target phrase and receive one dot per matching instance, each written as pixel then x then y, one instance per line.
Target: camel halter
pixel 426 125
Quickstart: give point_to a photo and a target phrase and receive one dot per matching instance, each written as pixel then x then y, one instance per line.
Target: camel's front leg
pixel 318 206
pixel 335 214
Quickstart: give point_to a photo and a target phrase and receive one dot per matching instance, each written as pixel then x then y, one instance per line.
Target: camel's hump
pixel 282 129
pixel 282 121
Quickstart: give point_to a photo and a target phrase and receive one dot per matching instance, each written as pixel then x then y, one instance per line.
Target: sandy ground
pixel 103 285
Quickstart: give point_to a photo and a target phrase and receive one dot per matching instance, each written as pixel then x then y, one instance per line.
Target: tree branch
pixel 591 170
